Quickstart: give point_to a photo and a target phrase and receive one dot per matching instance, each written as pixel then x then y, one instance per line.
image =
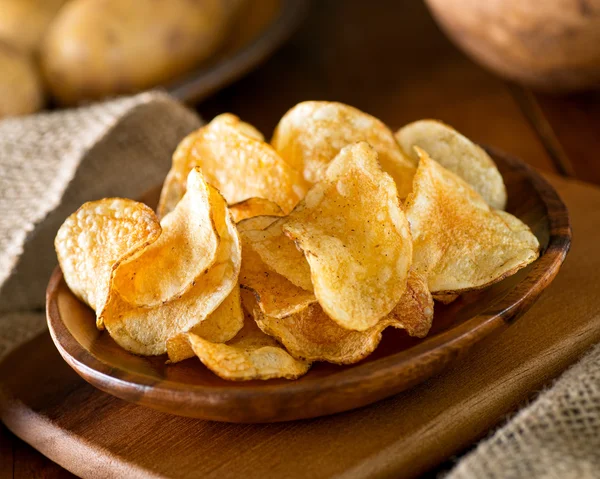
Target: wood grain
pixel 189 389
pixel 96 435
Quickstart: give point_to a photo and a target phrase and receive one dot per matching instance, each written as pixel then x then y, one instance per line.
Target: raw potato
pixel 356 239
pixel 24 22
pixel 459 242
pixel 98 48
pixel 20 86
pixel 95 237
pixel 234 159
pixel 458 154
pixel 312 336
pixel 145 329
pixel 311 134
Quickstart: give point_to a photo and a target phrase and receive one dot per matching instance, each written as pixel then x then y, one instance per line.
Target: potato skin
pixel 23 22
pixel 20 84
pixel 98 48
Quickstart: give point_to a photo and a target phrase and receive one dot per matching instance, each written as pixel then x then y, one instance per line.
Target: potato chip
pixel 239 164
pixel 219 327
pixel 356 239
pixel 256 223
pixel 145 329
pixel 310 135
pixel 160 274
pixel 280 254
pixel 312 336
pixel 254 207
pixel 459 242
pixel 250 355
pixel 93 238
pixel 445 298
pixel 275 294
pixel 458 154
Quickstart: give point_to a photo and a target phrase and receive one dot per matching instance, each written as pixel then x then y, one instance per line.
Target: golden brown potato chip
pixel 93 238
pixel 146 329
pixel 256 223
pixel 311 134
pixel 219 327
pixel 275 294
pixel 254 207
pixel 312 336
pixel 280 254
pixel 160 273
pixel 239 164
pixel 445 298
pixel 250 355
pixel 356 239
pixel 458 154
pixel 459 242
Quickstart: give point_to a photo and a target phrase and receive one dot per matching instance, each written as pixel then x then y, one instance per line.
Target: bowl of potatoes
pixel 62 53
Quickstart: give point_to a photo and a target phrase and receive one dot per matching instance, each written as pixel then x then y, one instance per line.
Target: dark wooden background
pixel 388 58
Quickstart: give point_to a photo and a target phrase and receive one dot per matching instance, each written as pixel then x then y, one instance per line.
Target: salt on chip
pixel 161 272
pixel 459 242
pixel 253 207
pixel 280 254
pixel 93 238
pixel 310 136
pixel 240 165
pixel 275 294
pixel 219 327
pixel 312 336
pixel 356 239
pixel 145 329
pixel 250 355
pixel 458 154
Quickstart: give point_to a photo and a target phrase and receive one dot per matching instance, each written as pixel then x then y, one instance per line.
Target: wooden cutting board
pixel 95 435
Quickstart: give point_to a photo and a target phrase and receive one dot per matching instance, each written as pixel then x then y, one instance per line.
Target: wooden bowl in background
pixel 550 45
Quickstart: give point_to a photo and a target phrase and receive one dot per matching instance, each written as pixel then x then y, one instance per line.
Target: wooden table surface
pixel 389 59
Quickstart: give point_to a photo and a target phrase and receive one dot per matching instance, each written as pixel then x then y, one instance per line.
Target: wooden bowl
pixel 189 389
pixel 552 45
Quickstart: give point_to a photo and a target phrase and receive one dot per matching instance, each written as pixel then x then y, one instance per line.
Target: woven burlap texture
pixel 555 437
pixel 53 162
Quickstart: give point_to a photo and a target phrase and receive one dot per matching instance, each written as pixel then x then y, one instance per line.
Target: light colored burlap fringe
pixel 51 163
pixel 555 437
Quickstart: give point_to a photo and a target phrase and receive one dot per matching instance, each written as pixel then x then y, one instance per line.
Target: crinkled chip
pixel 219 327
pixel 186 248
pixel 311 134
pixel 254 207
pixel 145 329
pixel 356 239
pixel 280 254
pixel 459 242
pixel 93 238
pixel 250 355
pixel 458 154
pixel 312 336
pixel 239 164
pixel 275 294
pixel 256 223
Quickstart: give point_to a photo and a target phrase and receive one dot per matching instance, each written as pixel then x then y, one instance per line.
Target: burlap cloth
pixel 53 162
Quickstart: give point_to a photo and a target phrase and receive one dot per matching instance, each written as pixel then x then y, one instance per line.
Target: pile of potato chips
pixel 267 257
